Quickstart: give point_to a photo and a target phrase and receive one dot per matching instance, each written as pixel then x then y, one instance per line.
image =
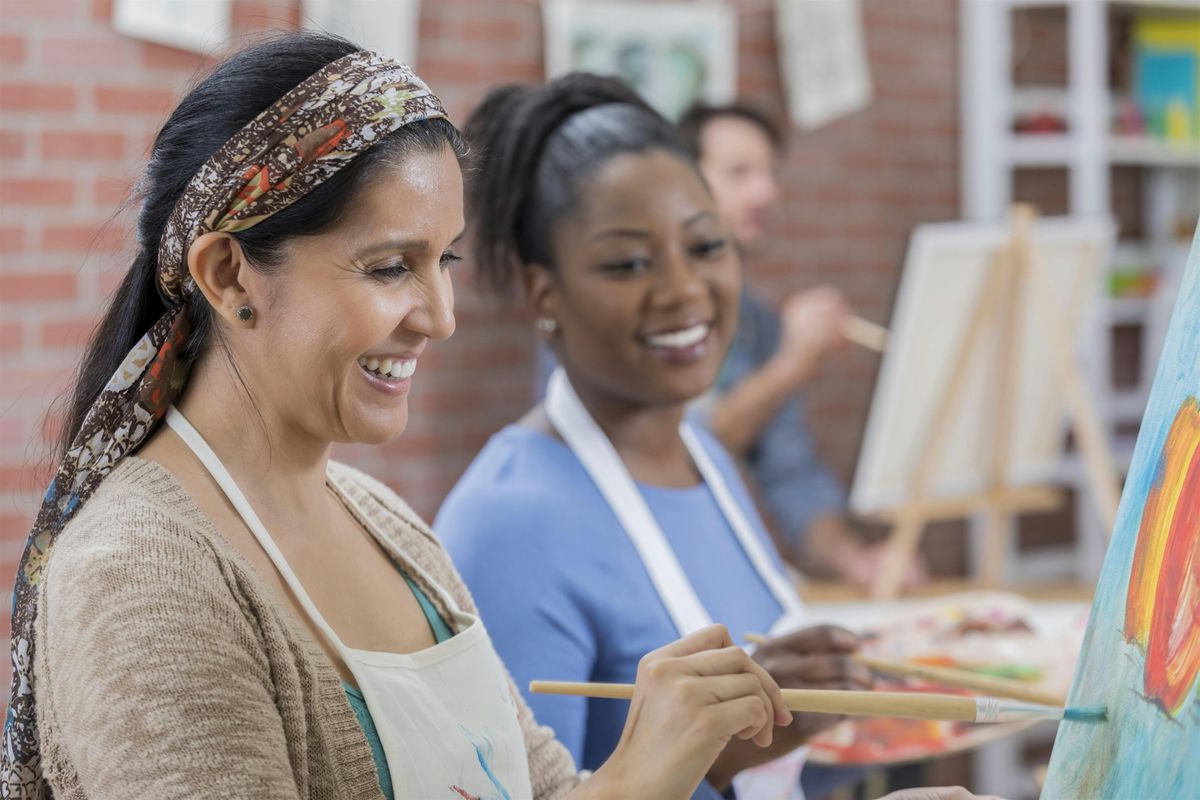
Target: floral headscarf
pixel 284 153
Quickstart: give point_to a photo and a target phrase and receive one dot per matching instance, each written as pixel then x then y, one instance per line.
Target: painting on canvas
pixel 674 54
pixel 1141 654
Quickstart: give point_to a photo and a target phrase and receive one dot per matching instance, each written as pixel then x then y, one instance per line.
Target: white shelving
pixel 992 152
pixel 1057 150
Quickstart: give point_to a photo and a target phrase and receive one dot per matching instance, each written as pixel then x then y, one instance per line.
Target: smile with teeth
pixel 685 337
pixel 390 369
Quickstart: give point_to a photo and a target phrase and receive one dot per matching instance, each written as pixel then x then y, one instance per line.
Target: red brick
pixel 16 478
pixel 23 96
pixel 81 238
pixel 111 191
pixel 43 192
pixel 11 336
pixel 12 239
pixel 86 51
pixel 133 99
pixel 102 10
pixel 13 528
pixel 67 333
pixel 12 49
pixel 26 287
pixel 82 145
pixel 12 145
pixel 252 15
pixel 158 56
pixel 490 30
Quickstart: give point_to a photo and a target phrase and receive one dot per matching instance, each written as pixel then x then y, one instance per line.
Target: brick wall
pixel 854 189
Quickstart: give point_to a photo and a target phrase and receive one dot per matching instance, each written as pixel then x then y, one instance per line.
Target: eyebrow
pixel 393 245
pixel 641 233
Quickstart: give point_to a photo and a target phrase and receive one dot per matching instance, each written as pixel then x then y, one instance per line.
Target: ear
pixel 541 292
pixel 220 270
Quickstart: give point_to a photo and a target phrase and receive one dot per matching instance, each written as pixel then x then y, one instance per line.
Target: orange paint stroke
pixel 1182 442
pixel 1173 650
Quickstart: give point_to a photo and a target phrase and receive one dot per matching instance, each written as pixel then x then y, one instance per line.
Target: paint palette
pixel 993 633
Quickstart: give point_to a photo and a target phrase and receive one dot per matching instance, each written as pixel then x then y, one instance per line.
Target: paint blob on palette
pixel 1141 653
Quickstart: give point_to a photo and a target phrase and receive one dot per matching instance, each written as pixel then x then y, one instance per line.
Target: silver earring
pixel 245 313
pixel 546 325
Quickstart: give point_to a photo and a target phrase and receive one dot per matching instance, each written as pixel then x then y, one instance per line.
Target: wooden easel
pixel 996 309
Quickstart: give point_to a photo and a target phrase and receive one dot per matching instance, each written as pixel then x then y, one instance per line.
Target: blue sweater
pixel 561 588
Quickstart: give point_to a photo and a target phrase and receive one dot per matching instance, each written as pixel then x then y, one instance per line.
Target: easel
pixel 996 309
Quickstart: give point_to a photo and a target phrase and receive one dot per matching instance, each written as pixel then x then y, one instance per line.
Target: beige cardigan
pixel 165 667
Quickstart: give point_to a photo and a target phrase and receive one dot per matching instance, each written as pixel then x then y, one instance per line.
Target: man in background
pixel 759 411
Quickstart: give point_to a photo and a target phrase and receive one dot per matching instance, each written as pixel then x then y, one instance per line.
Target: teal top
pixel 441 632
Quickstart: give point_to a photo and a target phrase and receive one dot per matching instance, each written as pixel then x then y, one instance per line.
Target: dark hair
pixel 693 123
pixel 234 93
pixel 534 146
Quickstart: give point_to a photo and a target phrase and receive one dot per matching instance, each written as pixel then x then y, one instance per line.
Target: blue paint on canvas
pixel 1150 746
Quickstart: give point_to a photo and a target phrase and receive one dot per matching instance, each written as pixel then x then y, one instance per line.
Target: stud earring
pixel 546 325
pixel 245 313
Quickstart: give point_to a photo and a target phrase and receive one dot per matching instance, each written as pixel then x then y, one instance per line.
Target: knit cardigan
pixel 167 668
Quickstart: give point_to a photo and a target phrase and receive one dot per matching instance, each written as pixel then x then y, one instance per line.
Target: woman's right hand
pixel 691 698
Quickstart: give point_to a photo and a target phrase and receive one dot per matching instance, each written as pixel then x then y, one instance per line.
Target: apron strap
pixel 776 580
pixel 603 464
pixel 195 442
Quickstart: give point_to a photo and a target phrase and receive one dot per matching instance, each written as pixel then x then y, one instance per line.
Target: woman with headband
pixel 629 526
pixel 212 607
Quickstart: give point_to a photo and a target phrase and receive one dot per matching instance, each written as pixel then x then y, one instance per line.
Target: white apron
pixel 778 779
pixel 445 715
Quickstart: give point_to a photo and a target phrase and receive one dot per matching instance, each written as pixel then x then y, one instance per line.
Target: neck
pixel 645 437
pixel 269 455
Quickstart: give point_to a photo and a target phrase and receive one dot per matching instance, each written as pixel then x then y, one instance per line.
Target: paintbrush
pixel 960 678
pixel 865 333
pixel 904 705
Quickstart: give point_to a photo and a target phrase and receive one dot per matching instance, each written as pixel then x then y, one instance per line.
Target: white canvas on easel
pixel 931 389
pixel 944 274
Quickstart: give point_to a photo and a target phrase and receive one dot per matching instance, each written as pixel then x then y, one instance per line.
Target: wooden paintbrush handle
pixel 960 678
pixel 907 705
pixel 963 679
pixel 865 333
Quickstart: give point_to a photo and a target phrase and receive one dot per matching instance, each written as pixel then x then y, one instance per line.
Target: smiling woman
pixel 633 526
pixel 212 607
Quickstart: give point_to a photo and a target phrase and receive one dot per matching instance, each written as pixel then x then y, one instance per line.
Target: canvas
pixel 674 54
pixel 1141 653
pixel 944 277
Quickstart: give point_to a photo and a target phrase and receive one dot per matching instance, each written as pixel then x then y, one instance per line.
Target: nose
pixel 432 315
pixel 678 281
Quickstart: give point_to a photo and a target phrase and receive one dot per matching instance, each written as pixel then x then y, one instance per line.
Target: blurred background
pixel 920 111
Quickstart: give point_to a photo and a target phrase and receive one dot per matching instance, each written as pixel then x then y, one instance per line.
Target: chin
pixel 378 427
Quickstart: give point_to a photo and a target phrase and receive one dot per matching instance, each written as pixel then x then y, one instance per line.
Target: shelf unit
pixel 991 153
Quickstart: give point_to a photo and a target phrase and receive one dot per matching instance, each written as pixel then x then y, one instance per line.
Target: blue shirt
pixel 795 486
pixel 561 588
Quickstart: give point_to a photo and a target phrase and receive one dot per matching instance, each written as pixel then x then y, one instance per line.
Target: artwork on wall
pixel 673 54
pixel 196 25
pixel 1141 653
pixel 823 59
pixel 388 27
